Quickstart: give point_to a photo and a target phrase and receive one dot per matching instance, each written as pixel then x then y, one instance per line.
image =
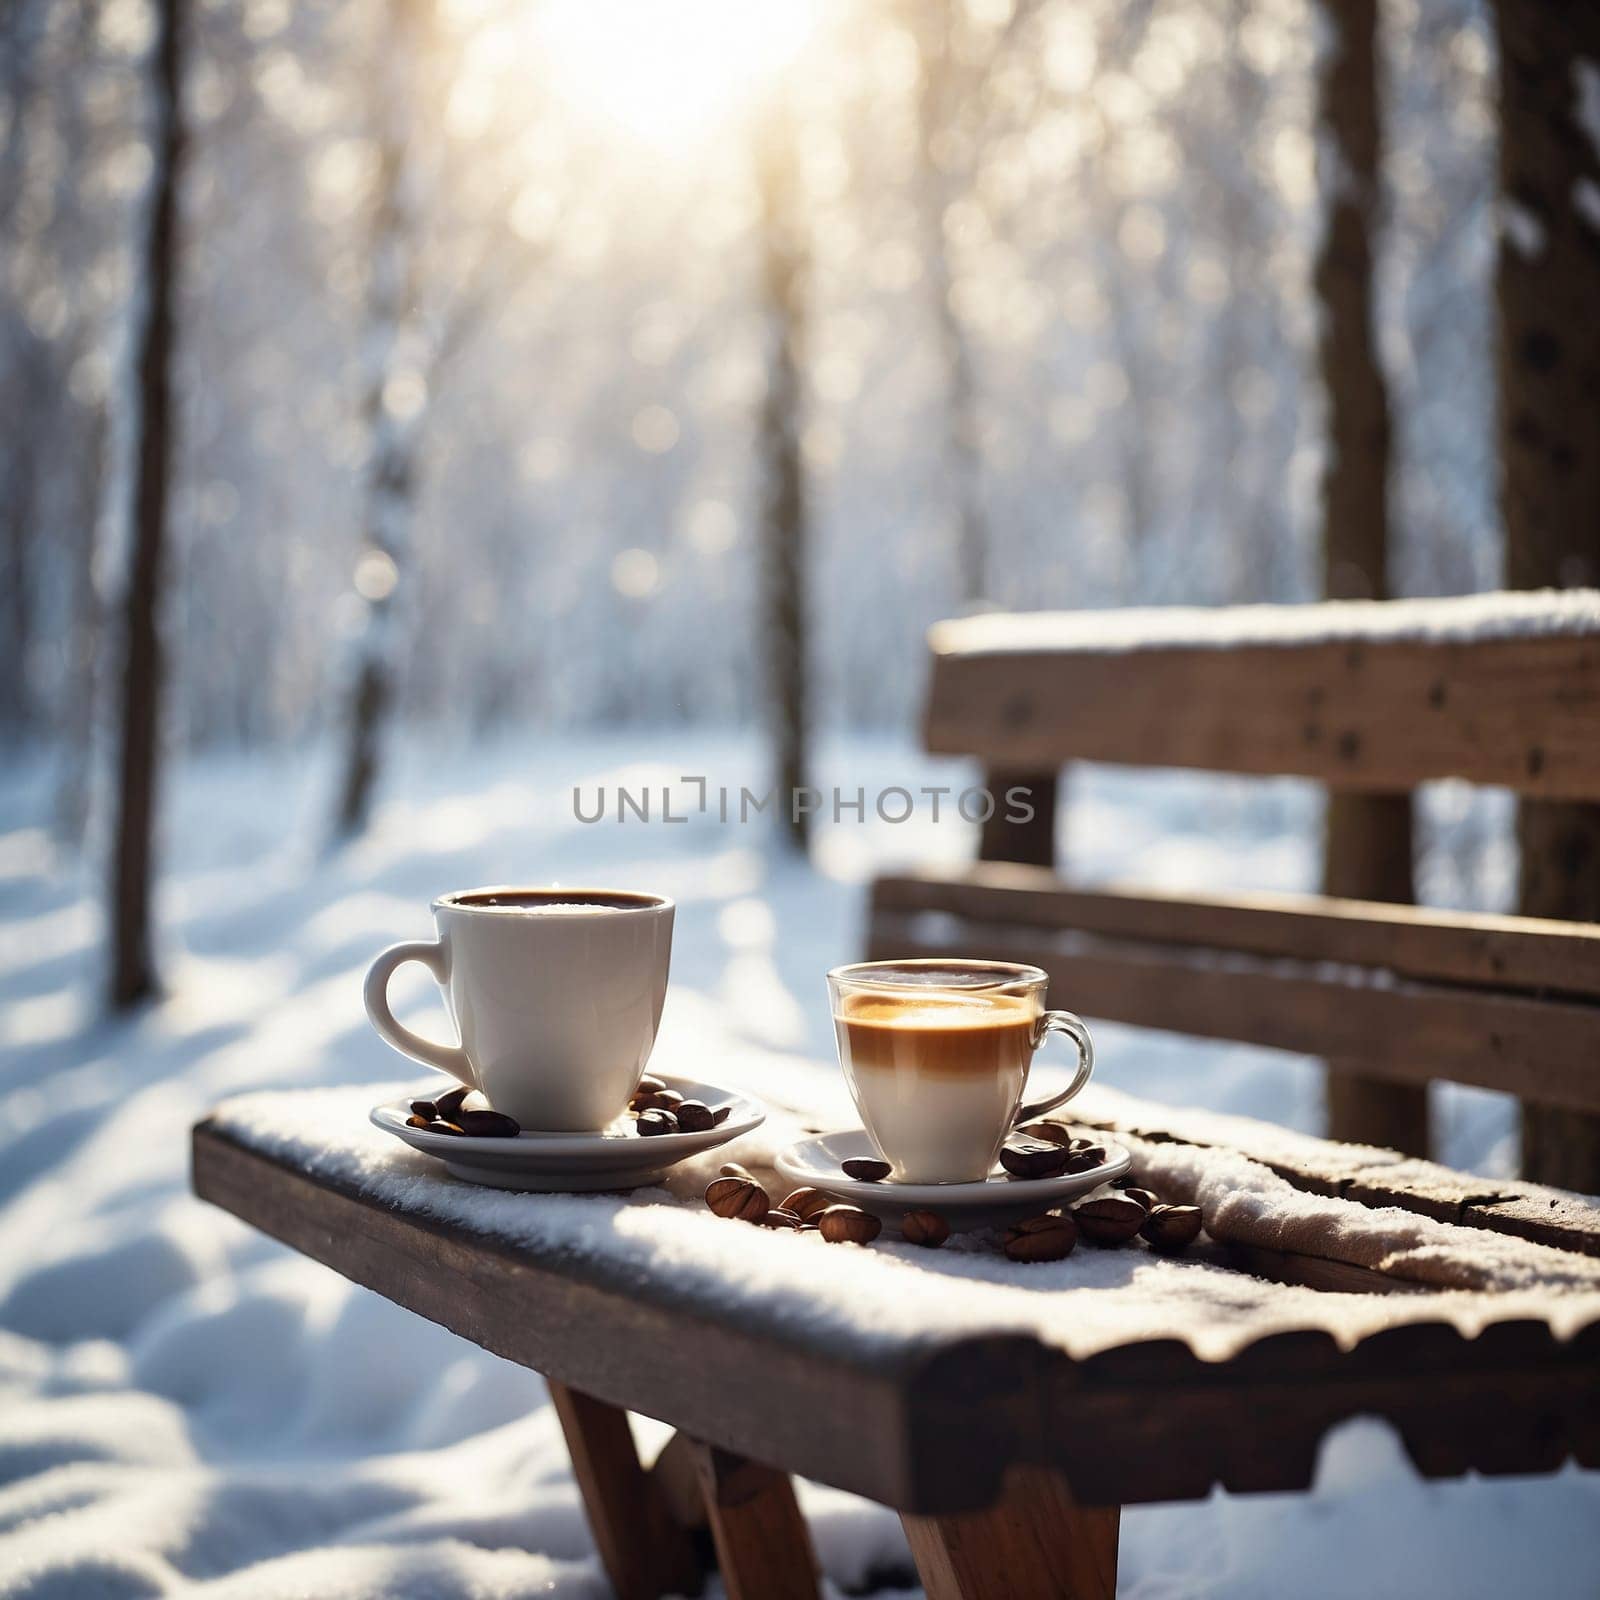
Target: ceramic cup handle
pixel 1061 1022
pixel 447 1058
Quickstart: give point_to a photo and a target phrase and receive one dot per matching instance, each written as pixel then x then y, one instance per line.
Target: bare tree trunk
pixel 938 106
pixel 133 968
pixel 393 403
pixel 1367 838
pixel 783 531
pixel 1547 286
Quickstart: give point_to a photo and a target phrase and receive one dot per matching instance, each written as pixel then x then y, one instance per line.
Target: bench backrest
pixel 1377 695
pixel 1501 689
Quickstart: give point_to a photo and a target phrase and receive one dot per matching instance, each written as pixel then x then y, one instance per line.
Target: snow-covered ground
pixel 188 1406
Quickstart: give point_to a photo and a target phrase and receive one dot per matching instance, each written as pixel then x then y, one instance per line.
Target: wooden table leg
pixel 1037 1543
pixel 763 1549
pixel 644 1551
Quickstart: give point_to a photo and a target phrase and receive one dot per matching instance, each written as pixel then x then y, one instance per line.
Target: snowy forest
pixel 472 339
pixel 420 413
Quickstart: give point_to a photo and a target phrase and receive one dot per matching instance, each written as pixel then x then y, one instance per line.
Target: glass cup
pixel 936 1053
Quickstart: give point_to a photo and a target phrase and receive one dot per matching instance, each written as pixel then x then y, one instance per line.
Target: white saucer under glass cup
pixel 936 1053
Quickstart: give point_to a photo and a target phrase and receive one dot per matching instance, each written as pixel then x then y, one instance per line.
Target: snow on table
pixel 875 1299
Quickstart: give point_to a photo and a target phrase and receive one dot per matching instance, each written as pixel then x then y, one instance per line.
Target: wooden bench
pixel 1375 697
pixel 1008 1447
pixel 1007 1451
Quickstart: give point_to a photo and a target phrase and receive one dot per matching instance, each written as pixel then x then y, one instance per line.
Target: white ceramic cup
pixel 556 996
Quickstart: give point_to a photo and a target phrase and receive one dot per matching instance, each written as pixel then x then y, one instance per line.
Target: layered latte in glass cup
pixel 936 1053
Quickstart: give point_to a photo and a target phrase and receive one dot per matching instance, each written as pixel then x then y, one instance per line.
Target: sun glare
pixel 669 71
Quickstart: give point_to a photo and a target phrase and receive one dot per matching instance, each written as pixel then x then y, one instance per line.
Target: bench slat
pixel 929 1424
pixel 1546 1051
pixel 1380 714
pixel 1497 952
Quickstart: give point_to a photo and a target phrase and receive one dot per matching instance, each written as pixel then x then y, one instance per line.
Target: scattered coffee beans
pixel 806 1203
pixel 732 1169
pixel 1050 1132
pixel 694 1116
pixel 425 1109
pixel 743 1198
pixel 447 1104
pixel 417 1120
pixel 1047 1238
pixel 652 1124
pixel 721 1115
pixel 865 1170
pixel 454 1129
pixel 1148 1198
pixel 657 1100
pixel 777 1217
pixel 1111 1220
pixel 1171 1229
pixel 848 1225
pixel 926 1228
pixel 648 1084
pixel 1086 1160
pixel 488 1124
pixel 1033 1158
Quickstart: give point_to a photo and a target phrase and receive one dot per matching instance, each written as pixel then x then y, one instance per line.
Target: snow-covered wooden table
pixel 1005 1409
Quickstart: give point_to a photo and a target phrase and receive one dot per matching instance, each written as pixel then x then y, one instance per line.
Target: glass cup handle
pixel 1061 1022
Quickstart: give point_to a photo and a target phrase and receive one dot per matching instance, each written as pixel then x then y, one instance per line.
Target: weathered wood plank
pixel 645 1553
pixel 837 1421
pixel 1037 1543
pixel 1378 713
pixel 927 1423
pixel 1498 952
pixel 763 1548
pixel 1544 1050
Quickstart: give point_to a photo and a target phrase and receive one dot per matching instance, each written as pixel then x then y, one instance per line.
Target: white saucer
pixel 552 1163
pixel 815 1162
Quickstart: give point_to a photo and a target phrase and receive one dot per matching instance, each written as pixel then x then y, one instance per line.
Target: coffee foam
pixel 937 1012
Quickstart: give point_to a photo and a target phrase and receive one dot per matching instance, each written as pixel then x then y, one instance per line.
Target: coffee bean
pixel 777 1217
pixel 694 1116
pixel 1032 1158
pixel 848 1225
pixel 454 1129
pixel 649 1084
pixel 425 1109
pixel 416 1120
pixel 926 1228
pixel 806 1203
pixel 721 1115
pixel 657 1100
pixel 1112 1219
pixel 1171 1229
pixel 1148 1198
pixel 488 1124
pixel 447 1104
pixel 743 1198
pixel 1086 1160
pixel 652 1124
pixel 864 1169
pixel 1047 1238
pixel 1050 1132
pixel 732 1169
